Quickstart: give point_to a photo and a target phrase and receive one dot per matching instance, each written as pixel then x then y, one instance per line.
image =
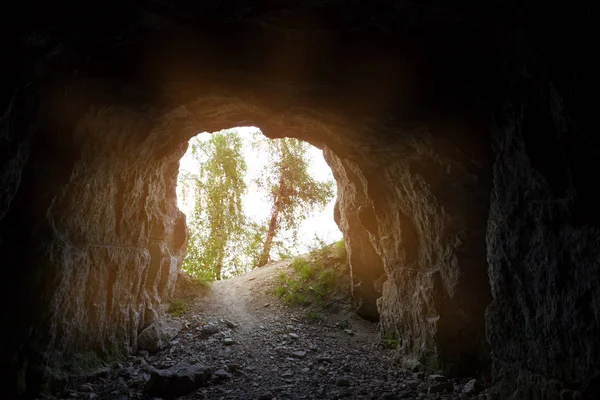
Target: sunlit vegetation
pixel 317 279
pixel 223 239
pixel 313 316
pixel 292 191
pixel 178 307
pixel 390 341
pixel 217 221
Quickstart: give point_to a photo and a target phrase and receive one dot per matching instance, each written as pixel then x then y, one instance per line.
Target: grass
pixel 178 307
pixel 290 290
pixel 313 316
pixel 305 270
pixel 390 341
pixel 203 282
pixel 314 279
pixel 200 279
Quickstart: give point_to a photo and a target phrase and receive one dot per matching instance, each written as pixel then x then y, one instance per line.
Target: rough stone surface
pixel 424 212
pixel 178 380
pixel 406 98
pixel 441 387
pixel 472 387
pixel 366 265
pixel 108 240
pixel 544 256
pixel 158 335
pixel 334 365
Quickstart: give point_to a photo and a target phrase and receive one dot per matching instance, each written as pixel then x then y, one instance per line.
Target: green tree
pixel 293 193
pixel 217 222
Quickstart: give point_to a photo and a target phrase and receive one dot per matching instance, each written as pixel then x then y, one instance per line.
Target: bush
pixel 290 291
pixel 314 279
pixel 178 307
pixel 305 270
pixel 313 316
pixel 390 341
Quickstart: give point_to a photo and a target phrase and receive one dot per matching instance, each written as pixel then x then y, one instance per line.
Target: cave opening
pixel 250 199
pixel 478 260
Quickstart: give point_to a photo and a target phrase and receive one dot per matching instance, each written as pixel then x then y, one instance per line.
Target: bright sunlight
pixel 234 248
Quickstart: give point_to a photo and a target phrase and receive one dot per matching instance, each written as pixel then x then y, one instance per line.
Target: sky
pixel 319 222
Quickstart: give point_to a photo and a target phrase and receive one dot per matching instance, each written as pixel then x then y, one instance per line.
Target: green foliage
pixel 253 239
pixel 292 192
pixel 217 222
pixel 290 291
pixel 313 316
pixel 305 270
pixel 390 341
pixel 319 250
pixel 178 307
pixel 224 241
pixel 313 280
pixel 203 281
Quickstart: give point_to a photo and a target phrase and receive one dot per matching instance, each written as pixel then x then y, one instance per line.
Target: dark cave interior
pixel 459 135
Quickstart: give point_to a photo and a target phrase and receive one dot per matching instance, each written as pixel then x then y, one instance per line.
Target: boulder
pixel 158 335
pixel 178 380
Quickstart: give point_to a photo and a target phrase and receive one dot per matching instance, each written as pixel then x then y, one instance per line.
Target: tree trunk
pixel 265 255
pixel 219 267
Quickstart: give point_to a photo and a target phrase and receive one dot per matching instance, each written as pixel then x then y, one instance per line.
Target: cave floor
pixel 259 348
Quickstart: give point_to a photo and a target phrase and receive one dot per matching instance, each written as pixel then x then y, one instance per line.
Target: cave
pixel 459 135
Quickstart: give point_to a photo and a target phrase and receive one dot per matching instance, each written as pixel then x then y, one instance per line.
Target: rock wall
pixel 544 254
pixel 542 236
pixel 97 231
pixel 420 213
pixel 90 237
pixel 366 266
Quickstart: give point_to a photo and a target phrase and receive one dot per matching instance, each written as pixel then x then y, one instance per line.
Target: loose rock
pixel 158 335
pixel 471 387
pixel 222 374
pixel 178 380
pixel 230 324
pixel 441 387
pixel 438 378
pixel 343 382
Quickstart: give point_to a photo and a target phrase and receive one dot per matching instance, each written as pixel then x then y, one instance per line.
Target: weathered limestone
pixel 158 334
pixel 544 258
pixel 424 215
pixel 93 121
pixel 178 380
pixel 109 236
pixel 365 264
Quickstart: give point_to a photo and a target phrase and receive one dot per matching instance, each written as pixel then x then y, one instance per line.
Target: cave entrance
pixel 250 200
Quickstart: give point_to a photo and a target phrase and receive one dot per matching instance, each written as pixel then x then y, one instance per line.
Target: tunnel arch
pixel 128 151
pixel 424 112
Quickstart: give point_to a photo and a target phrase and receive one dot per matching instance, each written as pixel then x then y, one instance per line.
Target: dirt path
pixel 257 348
pixel 291 353
pixel 238 299
pixel 281 352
